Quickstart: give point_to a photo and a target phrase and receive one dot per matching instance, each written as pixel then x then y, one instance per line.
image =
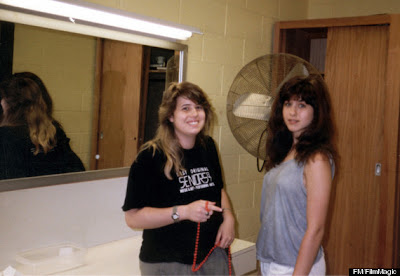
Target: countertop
pixel 122 258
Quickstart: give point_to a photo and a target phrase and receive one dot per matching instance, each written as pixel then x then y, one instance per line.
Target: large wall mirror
pixel 106 86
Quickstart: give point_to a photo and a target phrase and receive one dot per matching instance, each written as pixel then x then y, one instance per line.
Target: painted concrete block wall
pixel 234 33
pixel 345 8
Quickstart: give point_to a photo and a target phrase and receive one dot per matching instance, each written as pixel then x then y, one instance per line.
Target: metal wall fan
pixel 252 93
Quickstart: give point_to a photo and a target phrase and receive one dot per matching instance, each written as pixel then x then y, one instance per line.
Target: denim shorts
pixel 270 269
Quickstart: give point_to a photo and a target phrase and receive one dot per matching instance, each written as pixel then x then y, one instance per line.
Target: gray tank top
pixel 283 214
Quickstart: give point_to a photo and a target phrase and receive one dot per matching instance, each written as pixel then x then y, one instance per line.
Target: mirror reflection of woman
pixel 176 183
pixel 296 188
pixel 32 142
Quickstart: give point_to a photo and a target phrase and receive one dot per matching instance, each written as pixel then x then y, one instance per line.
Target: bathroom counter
pixel 122 258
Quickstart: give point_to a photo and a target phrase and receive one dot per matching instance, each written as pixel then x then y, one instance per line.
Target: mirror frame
pixel 67 26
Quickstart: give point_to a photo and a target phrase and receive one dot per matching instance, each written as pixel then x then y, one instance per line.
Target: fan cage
pixel 263 77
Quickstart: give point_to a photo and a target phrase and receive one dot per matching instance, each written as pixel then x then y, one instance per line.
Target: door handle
pixel 378 169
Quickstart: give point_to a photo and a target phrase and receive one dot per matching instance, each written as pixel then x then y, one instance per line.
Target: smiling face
pixel 188 120
pixel 297 115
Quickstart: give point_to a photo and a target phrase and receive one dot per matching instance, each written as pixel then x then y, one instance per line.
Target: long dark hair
pixel 165 138
pixel 318 137
pixel 29 103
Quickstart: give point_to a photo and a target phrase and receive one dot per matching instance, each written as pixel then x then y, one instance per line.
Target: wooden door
pixel 119 101
pixel 355 73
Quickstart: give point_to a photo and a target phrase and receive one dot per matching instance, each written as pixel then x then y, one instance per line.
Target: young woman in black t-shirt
pixel 175 191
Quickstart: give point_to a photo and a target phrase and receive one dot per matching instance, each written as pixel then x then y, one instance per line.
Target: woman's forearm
pixel 309 247
pixel 226 206
pixel 148 217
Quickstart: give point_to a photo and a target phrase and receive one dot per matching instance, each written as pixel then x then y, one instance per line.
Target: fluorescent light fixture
pixel 76 10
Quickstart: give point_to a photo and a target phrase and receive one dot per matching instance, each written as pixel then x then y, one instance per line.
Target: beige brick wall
pixel 214 60
pixel 65 62
pixel 346 8
pixel 234 33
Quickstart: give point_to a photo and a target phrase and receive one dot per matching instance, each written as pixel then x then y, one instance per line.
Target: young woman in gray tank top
pixel 296 188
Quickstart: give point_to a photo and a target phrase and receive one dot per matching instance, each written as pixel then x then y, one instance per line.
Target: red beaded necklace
pixel 194 268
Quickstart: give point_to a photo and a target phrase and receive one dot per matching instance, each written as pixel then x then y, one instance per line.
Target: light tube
pixel 104 16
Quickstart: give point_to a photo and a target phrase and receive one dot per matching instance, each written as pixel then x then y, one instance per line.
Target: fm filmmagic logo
pixel 373 271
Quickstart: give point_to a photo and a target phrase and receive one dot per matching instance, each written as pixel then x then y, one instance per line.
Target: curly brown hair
pixel 318 137
pixel 29 103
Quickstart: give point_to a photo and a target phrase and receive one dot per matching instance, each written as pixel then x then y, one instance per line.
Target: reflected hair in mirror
pixel 28 103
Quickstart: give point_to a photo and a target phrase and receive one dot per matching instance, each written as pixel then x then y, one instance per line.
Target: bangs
pixel 195 96
pixel 303 91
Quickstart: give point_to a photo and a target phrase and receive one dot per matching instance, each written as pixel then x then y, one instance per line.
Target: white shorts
pixel 271 269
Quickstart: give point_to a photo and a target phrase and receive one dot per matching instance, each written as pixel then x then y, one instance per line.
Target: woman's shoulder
pixel 59 129
pixel 210 147
pixel 209 139
pixel 14 140
pixel 204 144
pixel 209 142
pixel 14 129
pixel 149 154
pixel 14 133
pixel 319 156
pixel 320 161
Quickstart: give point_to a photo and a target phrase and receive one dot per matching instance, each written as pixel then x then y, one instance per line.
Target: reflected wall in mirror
pixel 130 80
pixel 66 64
pixel 82 72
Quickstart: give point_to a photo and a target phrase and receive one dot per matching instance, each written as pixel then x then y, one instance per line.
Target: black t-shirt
pixel 149 187
pixel 17 158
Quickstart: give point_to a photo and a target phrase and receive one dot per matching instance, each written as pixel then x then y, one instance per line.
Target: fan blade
pixel 298 70
pixel 252 93
pixel 253 106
